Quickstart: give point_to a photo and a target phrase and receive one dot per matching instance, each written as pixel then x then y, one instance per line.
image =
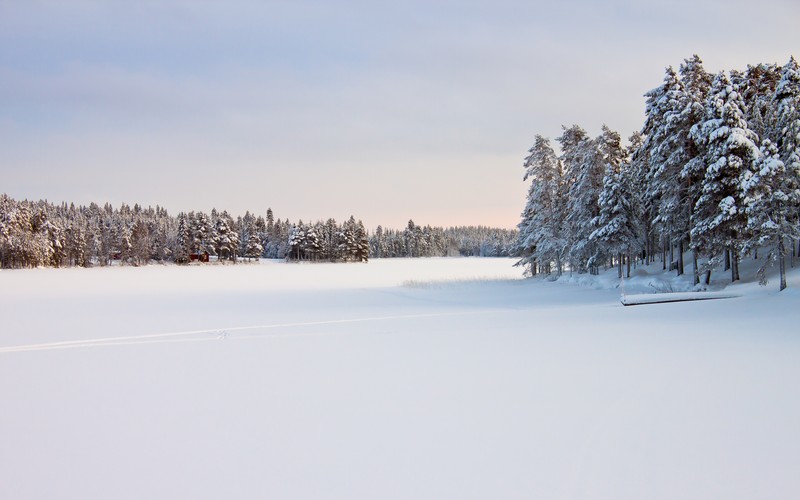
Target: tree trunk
pixel 696 278
pixel 782 263
pixel 734 265
pixel 651 251
pixel 671 253
pixel 680 257
pixel 629 265
pixel 727 260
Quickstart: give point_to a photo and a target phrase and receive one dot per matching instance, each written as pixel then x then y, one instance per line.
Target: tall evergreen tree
pixel 585 169
pixel 361 253
pixel 757 87
pixel 786 103
pixel 617 224
pixel 182 241
pixel 253 249
pixel 719 218
pixel 226 241
pixel 696 83
pixel 770 193
pixel 666 149
pixel 787 111
pixel 638 172
pixel 541 230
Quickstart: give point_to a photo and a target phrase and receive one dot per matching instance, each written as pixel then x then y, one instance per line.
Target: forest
pixel 34 234
pixel 713 176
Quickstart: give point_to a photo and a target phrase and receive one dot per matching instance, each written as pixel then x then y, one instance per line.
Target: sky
pixel 388 111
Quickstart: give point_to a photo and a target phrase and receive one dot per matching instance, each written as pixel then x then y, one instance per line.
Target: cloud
pixel 313 104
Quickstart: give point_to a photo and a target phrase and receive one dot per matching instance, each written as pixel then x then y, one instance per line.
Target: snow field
pixel 342 383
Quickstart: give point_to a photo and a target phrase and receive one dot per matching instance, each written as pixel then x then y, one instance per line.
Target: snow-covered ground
pixel 407 379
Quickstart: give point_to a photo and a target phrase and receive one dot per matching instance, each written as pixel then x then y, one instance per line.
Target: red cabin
pixel 198 257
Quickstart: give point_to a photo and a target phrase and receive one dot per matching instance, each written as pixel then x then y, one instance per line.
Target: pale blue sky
pixel 384 110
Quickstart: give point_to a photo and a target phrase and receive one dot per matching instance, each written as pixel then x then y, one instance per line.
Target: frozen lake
pixel 424 378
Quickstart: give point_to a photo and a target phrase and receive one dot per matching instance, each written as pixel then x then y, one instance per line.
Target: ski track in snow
pixel 221 333
pixel 355 387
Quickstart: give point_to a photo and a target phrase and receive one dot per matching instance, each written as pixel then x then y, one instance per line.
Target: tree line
pixel 36 234
pixel 714 174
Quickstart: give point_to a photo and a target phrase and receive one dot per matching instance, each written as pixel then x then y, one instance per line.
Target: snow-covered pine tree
pixel 757 87
pixel 410 234
pixel 294 244
pixel 719 219
pixel 617 223
pixel 102 222
pixel 362 243
pixel 770 195
pixel 667 132
pixel 236 244
pixel 226 243
pixel 55 235
pixel 696 83
pixel 786 103
pixel 249 236
pixel 282 236
pixel 24 237
pixel 570 142
pixel 203 235
pixel 377 243
pixel 160 249
pixel 541 228
pixel 244 226
pixel 638 172
pixel 253 249
pixel 182 241
pixel 270 220
pixel 585 167
pixel 657 103
pixel 140 242
pixel 348 238
pixel 191 225
pixel 260 227
pixel 423 240
pixel 125 244
pixel 312 246
pixel 330 240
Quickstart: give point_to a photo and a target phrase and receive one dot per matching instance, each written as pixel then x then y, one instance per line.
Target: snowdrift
pixel 423 379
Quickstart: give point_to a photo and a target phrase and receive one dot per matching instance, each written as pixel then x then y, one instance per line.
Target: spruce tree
pixel 362 243
pixel 585 170
pixel 616 224
pixel 226 241
pixel 696 83
pixel 638 172
pixel 786 103
pixel 757 87
pixel 719 218
pixel 667 131
pixel 253 248
pixel 771 192
pixel 541 229
pixel 182 240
